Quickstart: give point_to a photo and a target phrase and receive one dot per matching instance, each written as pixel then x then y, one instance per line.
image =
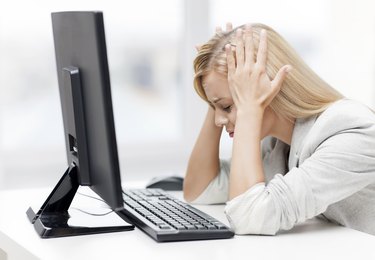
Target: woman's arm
pixel 252 91
pixel 204 164
pixel 337 165
pixel 247 166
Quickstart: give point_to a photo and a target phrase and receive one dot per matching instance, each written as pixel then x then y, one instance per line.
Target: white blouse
pixel 328 170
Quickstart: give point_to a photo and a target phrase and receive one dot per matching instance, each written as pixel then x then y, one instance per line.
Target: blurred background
pixel 150 48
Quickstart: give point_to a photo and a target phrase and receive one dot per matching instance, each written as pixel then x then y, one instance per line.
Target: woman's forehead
pixel 213 78
pixel 215 86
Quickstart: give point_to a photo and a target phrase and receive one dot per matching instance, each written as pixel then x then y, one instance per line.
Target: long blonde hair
pixel 303 93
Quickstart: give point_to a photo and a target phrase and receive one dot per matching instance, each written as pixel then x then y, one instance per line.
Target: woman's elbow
pixel 188 197
pixel 249 224
pixel 188 193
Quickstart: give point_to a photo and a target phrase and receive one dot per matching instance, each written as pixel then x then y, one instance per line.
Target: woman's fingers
pixel 230 60
pixel 277 82
pixel 240 51
pixel 249 47
pixel 229 27
pixel 262 50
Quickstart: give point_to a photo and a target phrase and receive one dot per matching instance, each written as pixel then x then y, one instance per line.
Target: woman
pixel 300 149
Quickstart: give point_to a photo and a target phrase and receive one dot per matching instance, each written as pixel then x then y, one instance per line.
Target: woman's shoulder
pixel 348 109
pixel 346 114
pixel 343 116
pixel 347 128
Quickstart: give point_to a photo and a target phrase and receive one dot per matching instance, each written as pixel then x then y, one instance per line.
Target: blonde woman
pixel 300 149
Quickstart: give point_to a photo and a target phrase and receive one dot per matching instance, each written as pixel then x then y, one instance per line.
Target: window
pixel 146 46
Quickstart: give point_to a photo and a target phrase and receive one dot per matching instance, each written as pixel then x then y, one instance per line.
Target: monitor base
pixel 52 218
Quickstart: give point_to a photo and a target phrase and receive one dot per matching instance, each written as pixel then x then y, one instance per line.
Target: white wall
pixel 350 49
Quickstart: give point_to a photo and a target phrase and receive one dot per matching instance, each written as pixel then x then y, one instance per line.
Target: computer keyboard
pixel 166 218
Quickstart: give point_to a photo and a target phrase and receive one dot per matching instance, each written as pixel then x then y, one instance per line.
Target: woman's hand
pixel 218 29
pixel 250 86
pixel 228 28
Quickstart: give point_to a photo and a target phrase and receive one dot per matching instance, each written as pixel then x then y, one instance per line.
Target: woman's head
pixel 303 92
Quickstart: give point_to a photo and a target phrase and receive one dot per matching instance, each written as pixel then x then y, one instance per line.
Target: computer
pixel 91 148
pixel 89 131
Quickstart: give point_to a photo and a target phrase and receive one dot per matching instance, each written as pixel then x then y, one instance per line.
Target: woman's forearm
pixel 247 167
pixel 204 162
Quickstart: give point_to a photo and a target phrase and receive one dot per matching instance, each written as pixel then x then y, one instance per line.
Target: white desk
pixel 314 239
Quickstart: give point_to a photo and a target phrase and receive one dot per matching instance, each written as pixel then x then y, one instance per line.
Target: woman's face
pixel 217 91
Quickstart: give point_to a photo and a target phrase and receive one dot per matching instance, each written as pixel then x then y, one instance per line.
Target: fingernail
pixel 289 69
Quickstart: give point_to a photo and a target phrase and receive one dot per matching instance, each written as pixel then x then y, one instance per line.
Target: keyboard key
pixel 179 226
pixel 164 226
pixel 221 226
pixel 190 227
pixel 209 226
pixel 200 227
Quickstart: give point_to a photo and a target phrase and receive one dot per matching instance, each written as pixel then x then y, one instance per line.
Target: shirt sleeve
pixel 217 190
pixel 340 166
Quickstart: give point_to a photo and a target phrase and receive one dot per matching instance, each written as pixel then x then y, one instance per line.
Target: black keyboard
pixel 166 218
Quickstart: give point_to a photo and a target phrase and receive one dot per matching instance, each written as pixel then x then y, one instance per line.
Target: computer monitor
pixel 89 130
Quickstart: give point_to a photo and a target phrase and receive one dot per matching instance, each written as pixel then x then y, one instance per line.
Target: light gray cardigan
pixel 328 170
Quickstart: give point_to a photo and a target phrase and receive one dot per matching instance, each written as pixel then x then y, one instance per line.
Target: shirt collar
pixel 302 127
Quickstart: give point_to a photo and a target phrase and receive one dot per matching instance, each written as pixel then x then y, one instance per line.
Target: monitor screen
pixel 89 126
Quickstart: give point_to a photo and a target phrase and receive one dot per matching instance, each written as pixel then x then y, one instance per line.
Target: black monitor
pixel 89 130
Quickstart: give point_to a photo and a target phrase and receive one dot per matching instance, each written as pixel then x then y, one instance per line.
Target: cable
pixel 93 214
pixel 89 196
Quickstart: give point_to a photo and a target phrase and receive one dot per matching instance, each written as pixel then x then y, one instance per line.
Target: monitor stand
pixel 52 218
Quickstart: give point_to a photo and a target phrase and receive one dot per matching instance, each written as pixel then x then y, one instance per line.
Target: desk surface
pixel 314 239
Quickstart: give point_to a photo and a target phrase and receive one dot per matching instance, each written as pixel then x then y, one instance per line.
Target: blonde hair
pixel 303 93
